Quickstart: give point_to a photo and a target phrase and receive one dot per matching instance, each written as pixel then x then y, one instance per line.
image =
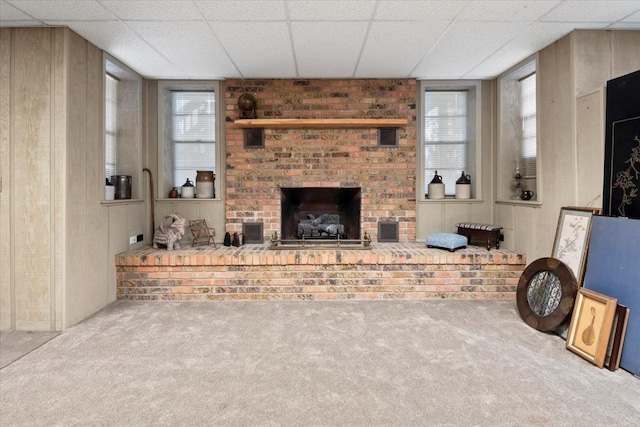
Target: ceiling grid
pixel 424 39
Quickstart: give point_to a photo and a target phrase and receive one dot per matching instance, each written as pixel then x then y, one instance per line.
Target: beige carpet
pixel 347 363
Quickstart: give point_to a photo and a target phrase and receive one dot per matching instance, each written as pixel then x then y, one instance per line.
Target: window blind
pixel 528 140
pixel 110 125
pixel 445 136
pixel 193 134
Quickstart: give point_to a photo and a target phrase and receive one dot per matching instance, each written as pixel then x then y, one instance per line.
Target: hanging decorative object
pixel 247 104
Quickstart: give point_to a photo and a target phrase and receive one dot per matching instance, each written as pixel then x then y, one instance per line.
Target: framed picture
pixel 591 325
pixel 572 238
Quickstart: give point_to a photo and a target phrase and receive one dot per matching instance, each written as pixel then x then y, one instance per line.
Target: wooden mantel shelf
pixel 320 123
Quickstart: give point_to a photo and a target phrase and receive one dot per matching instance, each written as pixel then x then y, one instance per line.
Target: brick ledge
pixel 253 272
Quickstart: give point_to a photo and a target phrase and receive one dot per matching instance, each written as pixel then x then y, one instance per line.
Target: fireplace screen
pixel 321 213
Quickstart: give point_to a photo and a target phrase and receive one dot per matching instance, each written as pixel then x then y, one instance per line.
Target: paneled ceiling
pixel 201 39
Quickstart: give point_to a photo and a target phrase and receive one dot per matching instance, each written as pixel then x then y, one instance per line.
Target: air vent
pixel 253 138
pixel 387 137
pixel 388 231
pixel 252 232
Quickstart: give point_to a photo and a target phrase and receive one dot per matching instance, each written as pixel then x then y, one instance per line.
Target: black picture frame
pixel 621 192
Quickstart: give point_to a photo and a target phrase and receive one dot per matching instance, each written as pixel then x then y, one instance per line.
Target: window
pixel 110 125
pixel 122 123
pixel 193 124
pixel 528 138
pixel 445 136
pixel 188 132
pixel 449 133
pixel 517 132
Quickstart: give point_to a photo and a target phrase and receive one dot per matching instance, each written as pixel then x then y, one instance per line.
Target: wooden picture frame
pixel 572 238
pixel 591 325
pixel 616 341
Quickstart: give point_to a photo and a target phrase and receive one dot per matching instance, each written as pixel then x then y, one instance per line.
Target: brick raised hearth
pixel 255 272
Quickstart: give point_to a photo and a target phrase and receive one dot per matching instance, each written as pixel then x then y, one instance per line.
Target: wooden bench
pixel 488 232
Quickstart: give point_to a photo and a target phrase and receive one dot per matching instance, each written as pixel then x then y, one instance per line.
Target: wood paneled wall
pixel 57 239
pixel 572 73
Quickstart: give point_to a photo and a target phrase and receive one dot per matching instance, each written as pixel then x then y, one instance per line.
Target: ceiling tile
pixel 116 38
pixel 242 10
pixel 418 10
pixel 534 38
pixel 634 17
pixel 343 10
pixel 457 53
pixel 327 49
pixel 175 41
pixel 393 49
pixel 264 51
pixel 67 10
pixel 506 10
pixel 592 11
pixel 157 10
pixel 10 13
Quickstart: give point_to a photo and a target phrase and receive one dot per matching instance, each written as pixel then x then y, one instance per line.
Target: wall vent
pixel 388 231
pixel 252 232
pixel 253 138
pixel 387 137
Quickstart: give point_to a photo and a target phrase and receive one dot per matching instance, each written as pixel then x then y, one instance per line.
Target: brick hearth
pixel 255 272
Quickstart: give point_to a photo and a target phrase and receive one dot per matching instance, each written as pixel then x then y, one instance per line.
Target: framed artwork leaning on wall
pixel 571 243
pixel 591 325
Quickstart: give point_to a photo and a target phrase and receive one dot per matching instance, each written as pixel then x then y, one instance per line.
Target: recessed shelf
pixel 320 123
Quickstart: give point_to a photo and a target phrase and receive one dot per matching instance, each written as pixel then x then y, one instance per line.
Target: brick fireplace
pixel 315 171
pixel 299 204
pixel 323 158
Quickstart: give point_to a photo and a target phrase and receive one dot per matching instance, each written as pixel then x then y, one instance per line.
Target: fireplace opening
pixel 320 212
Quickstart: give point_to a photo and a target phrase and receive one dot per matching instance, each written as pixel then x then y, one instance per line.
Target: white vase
pixel 463 191
pixel 109 192
pixel 436 191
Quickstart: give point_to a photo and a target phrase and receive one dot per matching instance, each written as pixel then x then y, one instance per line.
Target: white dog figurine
pixel 172 235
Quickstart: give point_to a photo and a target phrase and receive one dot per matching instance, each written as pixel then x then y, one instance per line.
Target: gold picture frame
pixel 571 242
pixel 591 325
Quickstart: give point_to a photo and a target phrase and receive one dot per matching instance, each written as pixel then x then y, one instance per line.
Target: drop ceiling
pixel 198 39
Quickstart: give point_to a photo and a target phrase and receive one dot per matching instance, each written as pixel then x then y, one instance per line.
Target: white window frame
pixel 128 156
pixel 510 125
pixel 474 134
pixel 111 127
pixel 165 140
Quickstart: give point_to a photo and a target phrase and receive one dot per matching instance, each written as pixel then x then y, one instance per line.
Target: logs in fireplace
pixel 324 226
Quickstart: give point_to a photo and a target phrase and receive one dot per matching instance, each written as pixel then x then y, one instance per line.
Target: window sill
pixel 121 202
pixel 192 199
pixel 451 200
pixel 531 203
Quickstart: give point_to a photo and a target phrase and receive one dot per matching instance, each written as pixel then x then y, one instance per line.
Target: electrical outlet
pixel 133 240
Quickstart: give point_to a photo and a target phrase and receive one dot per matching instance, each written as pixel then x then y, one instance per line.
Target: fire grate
pixel 337 243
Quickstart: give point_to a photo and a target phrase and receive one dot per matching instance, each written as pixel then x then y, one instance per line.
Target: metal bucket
pixel 123 186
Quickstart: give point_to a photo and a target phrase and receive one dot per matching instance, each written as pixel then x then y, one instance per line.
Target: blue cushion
pixel 450 241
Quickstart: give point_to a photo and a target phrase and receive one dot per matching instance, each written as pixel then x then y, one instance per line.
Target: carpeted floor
pixel 346 363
